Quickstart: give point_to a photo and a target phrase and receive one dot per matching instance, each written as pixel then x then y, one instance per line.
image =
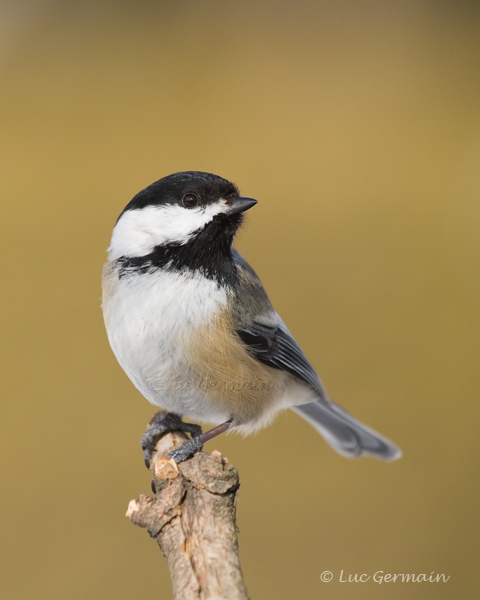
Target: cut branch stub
pixel 193 520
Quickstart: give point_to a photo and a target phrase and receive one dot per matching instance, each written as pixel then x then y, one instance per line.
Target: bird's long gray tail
pixel 344 433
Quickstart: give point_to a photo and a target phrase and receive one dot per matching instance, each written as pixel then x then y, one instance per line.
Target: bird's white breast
pixel 149 319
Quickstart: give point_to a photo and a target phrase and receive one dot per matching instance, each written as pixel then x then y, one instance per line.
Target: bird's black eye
pixel 190 200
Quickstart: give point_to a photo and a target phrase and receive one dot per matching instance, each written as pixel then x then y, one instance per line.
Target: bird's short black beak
pixel 240 205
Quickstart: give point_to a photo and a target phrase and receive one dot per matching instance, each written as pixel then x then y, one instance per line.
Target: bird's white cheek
pixel 139 231
pixel 131 240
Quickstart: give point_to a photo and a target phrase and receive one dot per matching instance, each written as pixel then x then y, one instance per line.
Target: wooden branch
pixel 192 519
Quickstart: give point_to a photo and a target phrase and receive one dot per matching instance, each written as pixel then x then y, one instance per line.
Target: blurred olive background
pixel 357 127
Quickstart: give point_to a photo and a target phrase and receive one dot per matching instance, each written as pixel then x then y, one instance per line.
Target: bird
pixel 190 323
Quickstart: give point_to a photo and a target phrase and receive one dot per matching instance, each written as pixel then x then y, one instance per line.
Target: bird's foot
pixel 161 424
pixel 191 447
pixel 186 450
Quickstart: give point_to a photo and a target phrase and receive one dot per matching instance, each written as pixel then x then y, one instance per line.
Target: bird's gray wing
pixel 264 333
pixel 268 340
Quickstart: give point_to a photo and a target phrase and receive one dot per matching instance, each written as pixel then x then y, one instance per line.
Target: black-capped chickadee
pixel 191 325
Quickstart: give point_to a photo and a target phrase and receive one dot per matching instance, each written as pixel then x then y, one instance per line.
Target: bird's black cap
pixel 171 189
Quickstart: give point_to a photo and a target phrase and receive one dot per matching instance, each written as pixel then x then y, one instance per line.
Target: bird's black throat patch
pixel 208 252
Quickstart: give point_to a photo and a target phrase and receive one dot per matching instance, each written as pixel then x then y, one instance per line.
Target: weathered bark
pixel 192 519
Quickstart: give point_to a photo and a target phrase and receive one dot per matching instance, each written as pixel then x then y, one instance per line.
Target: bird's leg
pixel 162 423
pixel 190 447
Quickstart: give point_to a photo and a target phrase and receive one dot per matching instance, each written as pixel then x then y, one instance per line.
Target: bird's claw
pixel 186 450
pixel 161 424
